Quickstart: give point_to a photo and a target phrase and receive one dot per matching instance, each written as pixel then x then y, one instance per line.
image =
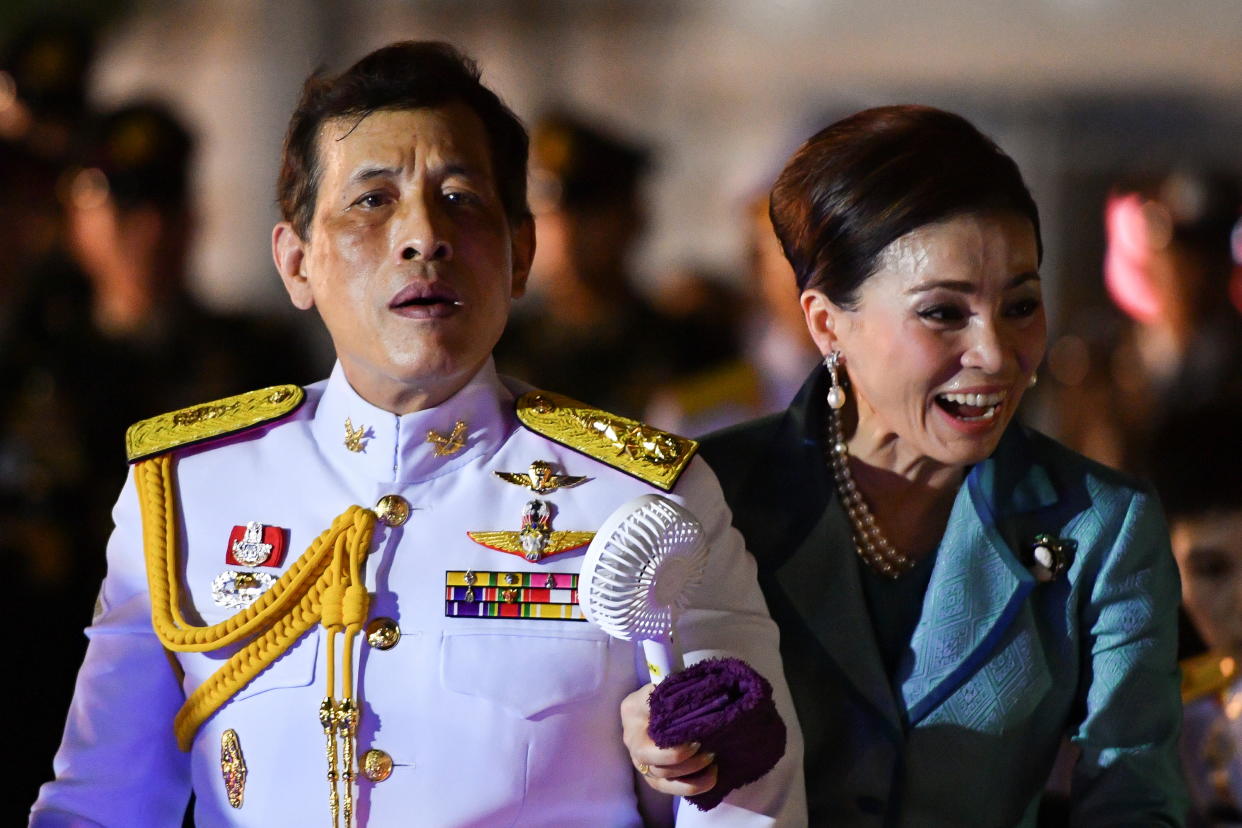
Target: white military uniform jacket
pixel 488 721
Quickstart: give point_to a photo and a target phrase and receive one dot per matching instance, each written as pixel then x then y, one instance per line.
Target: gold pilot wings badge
pixel 536 539
pixel 209 421
pixel 654 456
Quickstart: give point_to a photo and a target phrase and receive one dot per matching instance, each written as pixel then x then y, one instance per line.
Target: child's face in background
pixel 1208 549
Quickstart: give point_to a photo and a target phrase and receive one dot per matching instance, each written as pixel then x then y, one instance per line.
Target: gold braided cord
pixel 156 500
pixel 346 603
pixel 291 606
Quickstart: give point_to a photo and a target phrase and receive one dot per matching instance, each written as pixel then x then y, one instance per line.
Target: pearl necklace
pixel 869 542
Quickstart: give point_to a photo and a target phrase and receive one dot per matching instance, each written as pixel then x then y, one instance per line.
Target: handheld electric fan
pixel 638 573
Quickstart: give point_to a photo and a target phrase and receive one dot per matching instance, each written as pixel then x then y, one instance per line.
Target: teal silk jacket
pixel 1000 666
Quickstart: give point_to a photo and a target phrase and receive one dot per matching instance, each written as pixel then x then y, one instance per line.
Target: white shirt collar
pixel 398 448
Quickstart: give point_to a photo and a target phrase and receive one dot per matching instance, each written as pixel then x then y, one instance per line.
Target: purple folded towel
pixel 724 705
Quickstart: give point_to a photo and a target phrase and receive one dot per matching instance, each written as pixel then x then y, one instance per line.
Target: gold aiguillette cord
pixel 345 606
pixel 324 584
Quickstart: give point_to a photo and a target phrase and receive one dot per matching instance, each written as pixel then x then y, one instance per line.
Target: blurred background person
pixel 1170 267
pixel 586 329
pixel 44 67
pixel 107 333
pixel 30 226
pixel 1195 464
pixel 769 354
pixel 44 72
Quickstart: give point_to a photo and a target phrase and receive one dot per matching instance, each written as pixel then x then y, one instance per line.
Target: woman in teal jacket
pixel 955 592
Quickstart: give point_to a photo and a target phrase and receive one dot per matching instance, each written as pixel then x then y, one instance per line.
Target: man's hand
pixel 682 770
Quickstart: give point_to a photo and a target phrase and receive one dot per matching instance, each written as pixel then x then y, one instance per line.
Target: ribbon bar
pixel 494 609
pixel 512 595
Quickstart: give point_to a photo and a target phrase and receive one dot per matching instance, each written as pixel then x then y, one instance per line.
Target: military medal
pixel 445 446
pixel 238 590
pixel 540 479
pixel 255 545
pixel 536 539
pixel 233 767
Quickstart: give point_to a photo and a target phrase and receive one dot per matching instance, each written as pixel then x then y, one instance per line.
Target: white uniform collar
pixel 397 448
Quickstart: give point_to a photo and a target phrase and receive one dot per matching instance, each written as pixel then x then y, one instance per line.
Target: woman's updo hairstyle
pixel 869 179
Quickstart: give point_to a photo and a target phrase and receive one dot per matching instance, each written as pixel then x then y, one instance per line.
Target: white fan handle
pixel 662 659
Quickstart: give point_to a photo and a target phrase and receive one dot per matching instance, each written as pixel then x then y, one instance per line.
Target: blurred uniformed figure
pixel 586 329
pixel 775 355
pixel 355 602
pixel 1196 459
pixel 104 332
pixel 44 71
pixel 108 333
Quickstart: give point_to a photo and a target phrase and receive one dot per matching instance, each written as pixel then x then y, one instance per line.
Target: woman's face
pixel 943 339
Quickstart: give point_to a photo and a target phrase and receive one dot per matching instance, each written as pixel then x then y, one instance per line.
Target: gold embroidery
pixel 647 453
pixel 195 424
pixel 635 440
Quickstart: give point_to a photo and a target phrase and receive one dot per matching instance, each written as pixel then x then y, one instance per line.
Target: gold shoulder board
pixel 1203 675
pixel 639 450
pixel 198 423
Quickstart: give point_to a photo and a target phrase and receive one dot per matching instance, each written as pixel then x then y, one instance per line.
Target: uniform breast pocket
pixel 528 675
pixel 294 668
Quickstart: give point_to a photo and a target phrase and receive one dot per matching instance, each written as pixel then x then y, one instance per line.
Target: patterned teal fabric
pixel 1000 668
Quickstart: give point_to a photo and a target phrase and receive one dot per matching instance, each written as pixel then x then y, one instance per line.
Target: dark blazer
pixel 1000 665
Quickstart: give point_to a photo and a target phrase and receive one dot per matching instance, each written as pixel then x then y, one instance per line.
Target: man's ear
pixel 289 253
pixel 523 253
pixel 823 317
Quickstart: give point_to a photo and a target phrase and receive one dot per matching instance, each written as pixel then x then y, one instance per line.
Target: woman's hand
pixel 682 770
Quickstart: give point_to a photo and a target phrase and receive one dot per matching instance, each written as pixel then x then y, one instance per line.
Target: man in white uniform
pixel 355 603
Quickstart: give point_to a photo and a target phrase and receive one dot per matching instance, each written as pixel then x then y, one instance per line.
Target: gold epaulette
pixel 198 423
pixel 639 450
pixel 1203 675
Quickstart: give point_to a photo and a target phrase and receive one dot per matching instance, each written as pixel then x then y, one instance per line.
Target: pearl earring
pixel 1034 379
pixel 836 394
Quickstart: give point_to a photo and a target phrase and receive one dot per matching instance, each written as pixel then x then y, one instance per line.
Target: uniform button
pixel 392 510
pixel 870 804
pixel 383 633
pixel 376 765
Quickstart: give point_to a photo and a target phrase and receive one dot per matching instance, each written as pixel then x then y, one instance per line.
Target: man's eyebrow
pixel 963 286
pixel 368 173
pixel 457 168
pixel 363 174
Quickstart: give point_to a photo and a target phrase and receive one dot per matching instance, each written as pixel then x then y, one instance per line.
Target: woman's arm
pixel 1128 773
